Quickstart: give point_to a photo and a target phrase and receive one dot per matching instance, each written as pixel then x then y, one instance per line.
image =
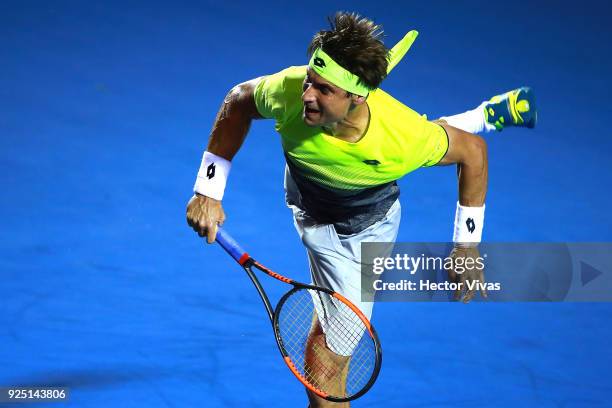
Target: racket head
pixel 327 342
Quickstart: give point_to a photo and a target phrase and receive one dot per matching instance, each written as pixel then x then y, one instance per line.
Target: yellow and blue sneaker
pixel 513 108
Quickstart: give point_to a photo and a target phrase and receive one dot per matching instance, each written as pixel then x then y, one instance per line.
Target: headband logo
pixel 319 62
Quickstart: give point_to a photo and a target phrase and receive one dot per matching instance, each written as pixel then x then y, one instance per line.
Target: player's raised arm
pixel 204 210
pixel 469 152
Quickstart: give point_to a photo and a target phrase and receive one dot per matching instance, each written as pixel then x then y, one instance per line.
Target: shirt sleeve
pixel 274 93
pixel 436 143
pixel 266 100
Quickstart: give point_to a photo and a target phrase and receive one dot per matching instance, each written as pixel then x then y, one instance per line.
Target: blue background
pixel 105 109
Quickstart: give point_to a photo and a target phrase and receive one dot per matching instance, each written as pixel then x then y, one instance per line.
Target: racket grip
pixel 231 246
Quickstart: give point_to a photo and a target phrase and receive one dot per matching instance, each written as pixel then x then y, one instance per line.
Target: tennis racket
pixel 325 340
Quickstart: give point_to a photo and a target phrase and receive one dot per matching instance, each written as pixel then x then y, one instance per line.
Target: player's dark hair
pixel 356 44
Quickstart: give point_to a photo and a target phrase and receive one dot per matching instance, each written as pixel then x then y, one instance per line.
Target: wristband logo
pixel 210 171
pixel 471 226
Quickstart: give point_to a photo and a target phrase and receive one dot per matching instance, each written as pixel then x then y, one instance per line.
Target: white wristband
pixel 468 224
pixel 212 176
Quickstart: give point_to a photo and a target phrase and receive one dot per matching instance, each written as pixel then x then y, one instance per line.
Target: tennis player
pixel 346 143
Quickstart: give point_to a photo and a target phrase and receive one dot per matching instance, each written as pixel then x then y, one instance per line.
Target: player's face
pixel 324 103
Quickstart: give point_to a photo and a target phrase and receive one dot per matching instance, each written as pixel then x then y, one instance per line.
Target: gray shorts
pixel 335 259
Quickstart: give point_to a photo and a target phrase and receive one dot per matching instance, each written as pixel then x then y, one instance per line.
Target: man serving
pixel 346 143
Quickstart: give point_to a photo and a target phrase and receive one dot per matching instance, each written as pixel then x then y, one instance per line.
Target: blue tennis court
pixel 105 110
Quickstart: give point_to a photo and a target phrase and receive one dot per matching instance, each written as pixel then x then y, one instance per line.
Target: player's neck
pixel 354 126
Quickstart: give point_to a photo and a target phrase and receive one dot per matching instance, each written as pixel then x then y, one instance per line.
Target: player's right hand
pixel 204 215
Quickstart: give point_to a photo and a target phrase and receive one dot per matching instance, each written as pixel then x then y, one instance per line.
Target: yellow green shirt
pixel 398 139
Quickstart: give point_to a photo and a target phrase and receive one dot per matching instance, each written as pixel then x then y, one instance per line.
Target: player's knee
pixel 478 147
pixel 480 143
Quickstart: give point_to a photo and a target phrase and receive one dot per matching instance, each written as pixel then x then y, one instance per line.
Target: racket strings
pixel 340 358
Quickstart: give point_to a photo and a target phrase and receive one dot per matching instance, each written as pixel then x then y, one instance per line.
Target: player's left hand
pixel 467 268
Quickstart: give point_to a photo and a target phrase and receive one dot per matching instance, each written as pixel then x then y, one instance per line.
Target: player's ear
pixel 358 100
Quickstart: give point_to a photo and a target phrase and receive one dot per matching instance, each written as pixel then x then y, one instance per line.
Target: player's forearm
pixel 233 121
pixel 228 133
pixel 473 174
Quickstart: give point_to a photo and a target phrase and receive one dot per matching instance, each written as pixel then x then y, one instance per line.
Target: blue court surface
pixel 105 109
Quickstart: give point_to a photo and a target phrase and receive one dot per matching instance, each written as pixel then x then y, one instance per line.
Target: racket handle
pixel 231 246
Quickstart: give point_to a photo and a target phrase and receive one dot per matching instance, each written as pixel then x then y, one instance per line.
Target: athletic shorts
pixel 335 259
